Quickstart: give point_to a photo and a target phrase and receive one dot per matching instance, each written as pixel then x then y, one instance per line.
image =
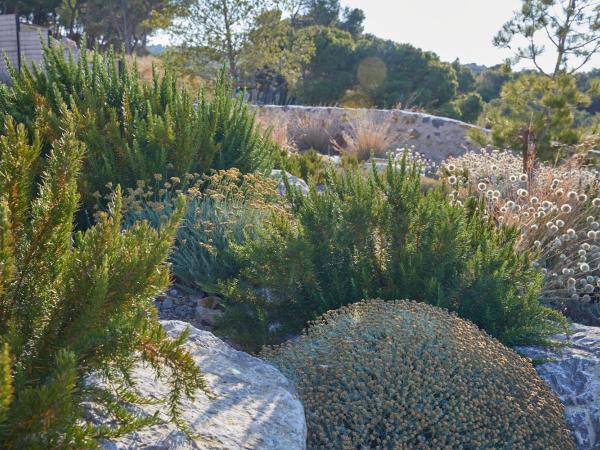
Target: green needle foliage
pixel 75 305
pixel 133 129
pixel 381 236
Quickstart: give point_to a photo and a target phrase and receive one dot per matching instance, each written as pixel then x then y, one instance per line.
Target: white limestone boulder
pixel 256 407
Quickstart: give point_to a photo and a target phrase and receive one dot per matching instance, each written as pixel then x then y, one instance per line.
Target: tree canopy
pixel 570 27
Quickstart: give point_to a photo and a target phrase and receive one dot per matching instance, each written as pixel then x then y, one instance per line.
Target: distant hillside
pixel 475 68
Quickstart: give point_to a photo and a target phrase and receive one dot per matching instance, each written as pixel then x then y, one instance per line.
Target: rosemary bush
pixel 382 236
pixel 133 129
pixel 75 304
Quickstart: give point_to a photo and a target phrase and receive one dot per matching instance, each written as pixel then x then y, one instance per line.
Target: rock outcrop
pixel 294 182
pixel 255 407
pixel 436 137
pixel 573 372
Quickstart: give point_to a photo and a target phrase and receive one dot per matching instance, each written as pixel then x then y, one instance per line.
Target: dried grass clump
pixel 558 213
pixel 366 137
pixel 278 129
pixel 405 375
pixel 311 132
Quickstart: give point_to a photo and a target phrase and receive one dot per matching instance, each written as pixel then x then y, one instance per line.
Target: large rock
pixel 256 406
pixel 294 182
pixel 573 372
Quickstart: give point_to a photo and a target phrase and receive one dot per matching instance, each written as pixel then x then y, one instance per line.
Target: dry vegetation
pixel 309 132
pixel 558 212
pixel 145 65
pixel 366 137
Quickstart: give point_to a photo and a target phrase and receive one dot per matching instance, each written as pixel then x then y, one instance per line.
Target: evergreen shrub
pixel 133 129
pixel 75 305
pixel 400 374
pixel 382 236
pixel 224 208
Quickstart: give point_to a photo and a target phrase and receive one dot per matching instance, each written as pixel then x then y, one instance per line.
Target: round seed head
pixel 566 208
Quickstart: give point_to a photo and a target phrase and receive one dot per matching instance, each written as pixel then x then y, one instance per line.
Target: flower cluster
pixel 558 213
pixel 223 207
pixel 427 166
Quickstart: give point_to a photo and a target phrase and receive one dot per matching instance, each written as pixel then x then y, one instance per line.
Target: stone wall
pixel 436 137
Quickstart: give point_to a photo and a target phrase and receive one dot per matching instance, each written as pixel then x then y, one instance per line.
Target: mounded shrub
pixel 402 374
pixel 74 305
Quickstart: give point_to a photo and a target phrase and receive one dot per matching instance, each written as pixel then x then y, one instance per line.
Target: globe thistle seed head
pixel 566 208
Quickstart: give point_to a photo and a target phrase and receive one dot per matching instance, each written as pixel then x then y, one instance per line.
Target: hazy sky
pixel 452 28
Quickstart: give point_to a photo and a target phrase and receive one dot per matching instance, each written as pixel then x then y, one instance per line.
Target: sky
pixel 453 29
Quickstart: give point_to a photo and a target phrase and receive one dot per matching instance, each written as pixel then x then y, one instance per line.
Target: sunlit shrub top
pixel 224 207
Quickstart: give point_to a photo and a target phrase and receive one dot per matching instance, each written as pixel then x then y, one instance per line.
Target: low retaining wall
pixel 436 137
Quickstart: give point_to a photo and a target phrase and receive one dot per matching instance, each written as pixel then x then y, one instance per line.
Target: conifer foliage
pixel 74 305
pixel 133 129
pixel 381 236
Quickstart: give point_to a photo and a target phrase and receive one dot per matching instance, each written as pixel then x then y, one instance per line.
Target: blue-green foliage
pixel 222 211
